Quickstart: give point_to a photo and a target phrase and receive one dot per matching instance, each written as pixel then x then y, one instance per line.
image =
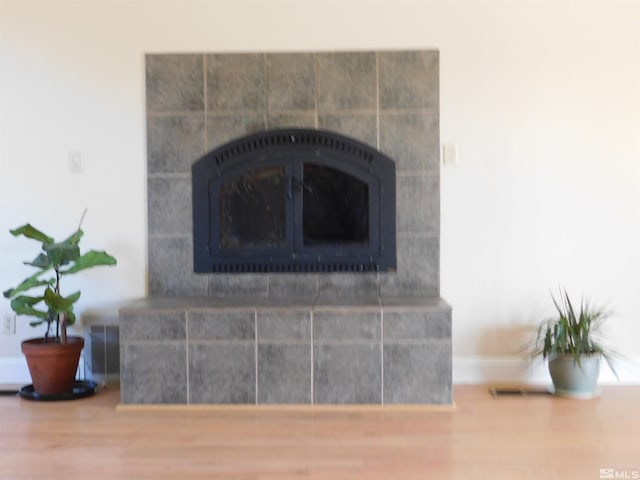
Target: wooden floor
pixel 486 437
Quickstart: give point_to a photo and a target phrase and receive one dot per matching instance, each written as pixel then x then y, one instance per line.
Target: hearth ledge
pixel 284 351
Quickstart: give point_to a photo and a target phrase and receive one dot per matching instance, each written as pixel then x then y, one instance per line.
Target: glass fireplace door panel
pixel 335 208
pixel 253 210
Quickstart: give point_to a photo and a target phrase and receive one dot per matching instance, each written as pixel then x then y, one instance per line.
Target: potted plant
pixel 52 359
pixel 570 343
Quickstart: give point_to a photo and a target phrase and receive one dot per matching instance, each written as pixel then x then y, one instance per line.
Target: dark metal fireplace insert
pixel 294 200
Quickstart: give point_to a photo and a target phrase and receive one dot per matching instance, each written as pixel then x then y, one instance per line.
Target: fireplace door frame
pixel 292 149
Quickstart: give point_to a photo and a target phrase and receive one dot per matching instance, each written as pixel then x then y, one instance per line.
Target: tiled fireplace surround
pixel 367 338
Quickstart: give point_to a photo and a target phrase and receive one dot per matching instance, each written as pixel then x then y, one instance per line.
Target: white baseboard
pixel 13 372
pixel 513 369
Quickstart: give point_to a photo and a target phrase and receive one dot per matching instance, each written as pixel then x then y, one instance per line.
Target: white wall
pixel 540 97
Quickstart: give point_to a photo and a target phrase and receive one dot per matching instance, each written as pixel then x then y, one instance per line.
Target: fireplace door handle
pixel 297 184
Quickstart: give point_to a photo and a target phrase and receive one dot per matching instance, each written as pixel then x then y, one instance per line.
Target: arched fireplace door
pixel 294 200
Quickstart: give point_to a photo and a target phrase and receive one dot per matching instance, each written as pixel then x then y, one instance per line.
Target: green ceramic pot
pixel 571 379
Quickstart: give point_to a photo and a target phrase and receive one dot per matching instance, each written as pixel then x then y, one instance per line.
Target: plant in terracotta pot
pixel 52 359
pixel 571 343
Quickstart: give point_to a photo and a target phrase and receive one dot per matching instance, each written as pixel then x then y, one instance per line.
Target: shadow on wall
pixel 501 358
pixel 504 358
pixel 509 340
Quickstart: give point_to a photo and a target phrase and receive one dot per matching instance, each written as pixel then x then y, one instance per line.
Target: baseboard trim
pixel 514 369
pixel 13 371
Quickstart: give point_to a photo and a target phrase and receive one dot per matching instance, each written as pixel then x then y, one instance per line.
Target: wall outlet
pixel 76 162
pixel 449 155
pixel 8 324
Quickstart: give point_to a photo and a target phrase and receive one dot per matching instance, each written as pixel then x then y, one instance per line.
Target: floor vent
pixel 102 358
pixel 518 391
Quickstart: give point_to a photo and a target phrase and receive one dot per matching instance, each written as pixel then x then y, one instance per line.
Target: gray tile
pixel 169 205
pixel 348 285
pixel 174 83
pixel 411 140
pixel 361 126
pixel 171 268
pixel 430 302
pixel 154 325
pixel 238 285
pixel 409 79
pixel 346 80
pixel 346 325
pixel 224 128
pixel 291 120
pixel 333 303
pixel 418 204
pixel 291 82
pixel 417 325
pixel 293 285
pixel 417 374
pixel 347 374
pixel 418 268
pixel 284 325
pixel 223 326
pixel 154 373
pixel 222 373
pixel 284 373
pixel 174 143
pixel 236 82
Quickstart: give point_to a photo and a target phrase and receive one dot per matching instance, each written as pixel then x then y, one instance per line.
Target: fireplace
pixel 294 200
pixel 254 326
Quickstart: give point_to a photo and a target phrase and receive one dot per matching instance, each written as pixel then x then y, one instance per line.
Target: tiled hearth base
pixel 204 350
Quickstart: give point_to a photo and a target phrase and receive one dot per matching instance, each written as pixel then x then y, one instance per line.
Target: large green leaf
pixel 90 259
pixel 29 283
pixel 75 237
pixel 41 261
pixel 30 231
pixel 58 303
pixel 24 305
pixel 25 299
pixel 62 253
pixel 71 318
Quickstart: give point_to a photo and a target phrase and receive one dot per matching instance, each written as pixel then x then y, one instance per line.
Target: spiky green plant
pixel 573 332
pixel 56 260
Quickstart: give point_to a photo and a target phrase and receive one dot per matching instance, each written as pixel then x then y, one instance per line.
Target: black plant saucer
pixel 81 389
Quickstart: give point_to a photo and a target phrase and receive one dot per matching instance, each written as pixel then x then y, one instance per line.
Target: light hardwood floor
pixel 533 437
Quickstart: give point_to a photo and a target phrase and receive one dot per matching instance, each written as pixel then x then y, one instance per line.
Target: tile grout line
pixel 265 71
pixel 315 90
pixel 186 334
pixel 312 354
pixel 381 355
pixel 378 100
pixel 255 351
pixel 206 101
pixel 206 147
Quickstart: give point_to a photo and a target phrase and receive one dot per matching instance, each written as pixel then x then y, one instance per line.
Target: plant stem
pixel 61 319
pixel 63 329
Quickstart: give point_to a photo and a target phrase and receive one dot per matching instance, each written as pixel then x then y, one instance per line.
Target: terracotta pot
pixel 53 365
